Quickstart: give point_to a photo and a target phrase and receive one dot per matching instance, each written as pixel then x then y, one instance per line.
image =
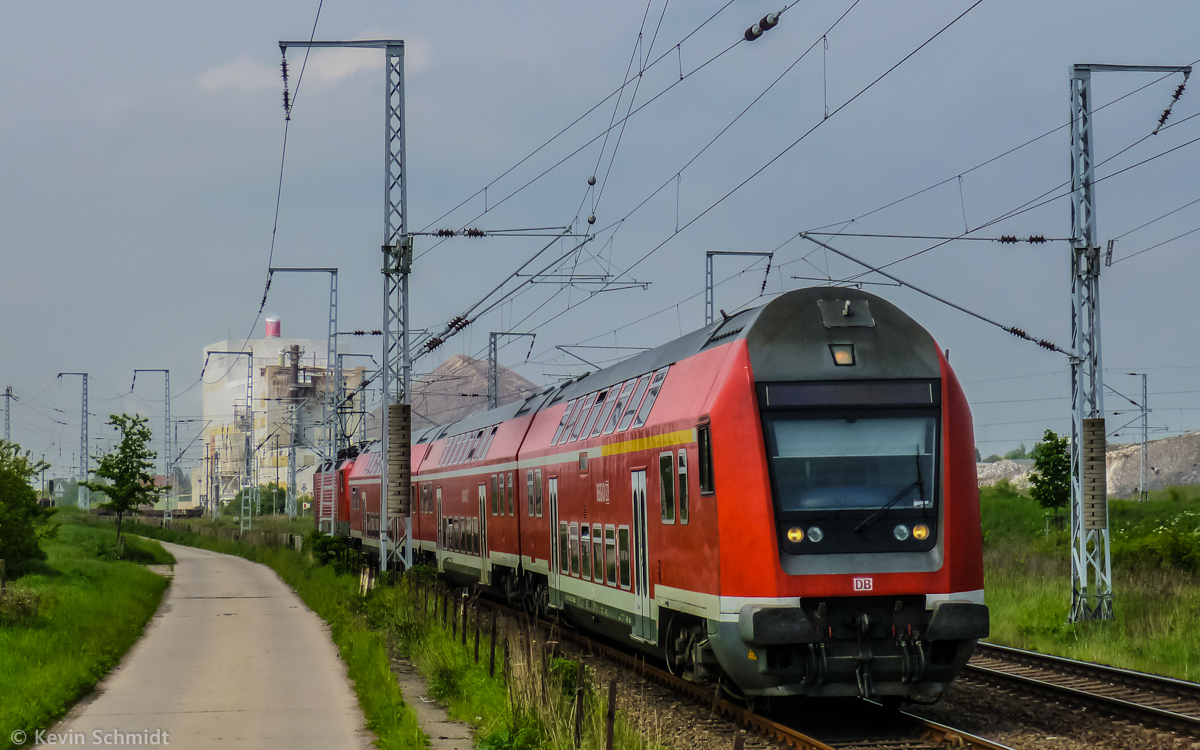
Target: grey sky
pixel 142 144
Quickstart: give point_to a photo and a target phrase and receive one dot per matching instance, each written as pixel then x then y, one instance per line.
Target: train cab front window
pixel 853 463
pixel 856 461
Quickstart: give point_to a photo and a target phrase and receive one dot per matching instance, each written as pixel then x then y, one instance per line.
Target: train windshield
pixel 863 462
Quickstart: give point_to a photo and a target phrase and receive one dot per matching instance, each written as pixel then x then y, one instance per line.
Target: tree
pixel 1017 453
pixel 24 524
pixel 1051 477
pixel 126 469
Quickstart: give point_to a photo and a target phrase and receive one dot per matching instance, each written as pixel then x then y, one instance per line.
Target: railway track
pixel 837 725
pixel 1150 700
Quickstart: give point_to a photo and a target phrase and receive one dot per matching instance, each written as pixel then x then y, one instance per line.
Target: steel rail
pixel 1150 699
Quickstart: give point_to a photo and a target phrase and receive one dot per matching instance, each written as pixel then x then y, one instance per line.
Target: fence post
pixel 611 718
pixel 492 657
pixel 464 621
pixel 1 576
pixel 445 606
pixel 454 621
pixel 738 741
pixel 579 701
pixel 476 619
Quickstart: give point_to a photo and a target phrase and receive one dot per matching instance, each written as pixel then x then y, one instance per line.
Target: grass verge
pixel 66 623
pixel 529 703
pixel 1156 586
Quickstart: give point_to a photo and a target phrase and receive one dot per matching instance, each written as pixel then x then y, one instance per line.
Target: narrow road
pixel 232 659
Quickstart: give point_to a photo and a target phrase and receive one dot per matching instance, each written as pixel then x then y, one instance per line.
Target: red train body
pixel 784 501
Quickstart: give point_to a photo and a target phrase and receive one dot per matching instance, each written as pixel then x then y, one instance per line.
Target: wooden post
pixel 507 662
pixel 463 642
pixel 738 741
pixel 578 702
pixel 445 605
pixel 454 621
pixel 476 618
pixel 1 575
pixel 611 718
pixel 492 657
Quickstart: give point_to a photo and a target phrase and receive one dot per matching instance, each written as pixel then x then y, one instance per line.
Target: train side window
pixel 566 420
pixel 623 554
pixel 564 565
pixel 473 447
pixel 598 553
pixel 475 540
pixel 602 400
pixel 537 492
pixel 610 554
pixel 666 486
pixel 583 415
pixel 683 486
pixel 623 393
pixel 605 418
pixel 574 549
pixel 634 402
pixel 511 491
pixel 585 552
pixel 704 445
pixel 487 443
pixel 529 490
pixel 655 386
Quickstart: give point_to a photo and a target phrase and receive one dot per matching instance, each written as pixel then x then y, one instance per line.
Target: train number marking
pixel 864 584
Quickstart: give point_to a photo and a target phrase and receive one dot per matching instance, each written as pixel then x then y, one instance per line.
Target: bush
pixel 335 551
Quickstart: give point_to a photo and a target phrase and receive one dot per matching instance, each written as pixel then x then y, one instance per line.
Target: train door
pixel 441 529
pixel 485 569
pixel 644 627
pixel 556 544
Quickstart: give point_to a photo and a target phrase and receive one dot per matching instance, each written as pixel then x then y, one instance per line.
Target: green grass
pixel 69 621
pixel 1156 584
pixel 530 707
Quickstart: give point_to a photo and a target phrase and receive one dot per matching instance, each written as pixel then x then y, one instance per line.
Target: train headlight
pixel 795 535
pixel 920 532
pixel 843 354
pixel 815 534
pixel 900 532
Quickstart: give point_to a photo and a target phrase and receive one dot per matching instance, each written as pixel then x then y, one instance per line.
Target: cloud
pixel 244 73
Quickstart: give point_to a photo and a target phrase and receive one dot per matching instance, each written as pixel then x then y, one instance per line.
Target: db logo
pixel 864 584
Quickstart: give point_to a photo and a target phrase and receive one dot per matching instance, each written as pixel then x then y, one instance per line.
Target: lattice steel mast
pixel 397 263
pixel 1091 560
pixel 83 497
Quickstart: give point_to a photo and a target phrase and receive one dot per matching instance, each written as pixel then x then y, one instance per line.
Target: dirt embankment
pixel 1169 461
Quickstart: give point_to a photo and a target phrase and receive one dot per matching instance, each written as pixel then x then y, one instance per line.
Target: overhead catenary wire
pixel 1045 344
pixel 579 119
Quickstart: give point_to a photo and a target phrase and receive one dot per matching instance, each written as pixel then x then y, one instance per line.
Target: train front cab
pixel 861 572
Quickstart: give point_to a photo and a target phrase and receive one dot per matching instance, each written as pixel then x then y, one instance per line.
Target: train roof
pixel 802 314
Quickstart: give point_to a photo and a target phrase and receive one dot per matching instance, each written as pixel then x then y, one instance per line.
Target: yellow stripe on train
pixel 647 443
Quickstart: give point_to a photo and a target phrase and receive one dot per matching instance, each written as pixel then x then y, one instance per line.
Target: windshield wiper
pixel 918 485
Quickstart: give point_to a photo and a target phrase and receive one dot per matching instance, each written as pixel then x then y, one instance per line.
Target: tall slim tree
pixel 126 469
pixel 1051 476
pixel 23 523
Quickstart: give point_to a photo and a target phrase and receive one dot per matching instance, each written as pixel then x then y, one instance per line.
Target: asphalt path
pixel 232 659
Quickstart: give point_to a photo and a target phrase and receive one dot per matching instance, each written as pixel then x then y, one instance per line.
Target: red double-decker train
pixel 783 502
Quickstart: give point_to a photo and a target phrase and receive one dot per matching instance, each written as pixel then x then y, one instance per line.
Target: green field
pixel 1156 582
pixel 66 623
